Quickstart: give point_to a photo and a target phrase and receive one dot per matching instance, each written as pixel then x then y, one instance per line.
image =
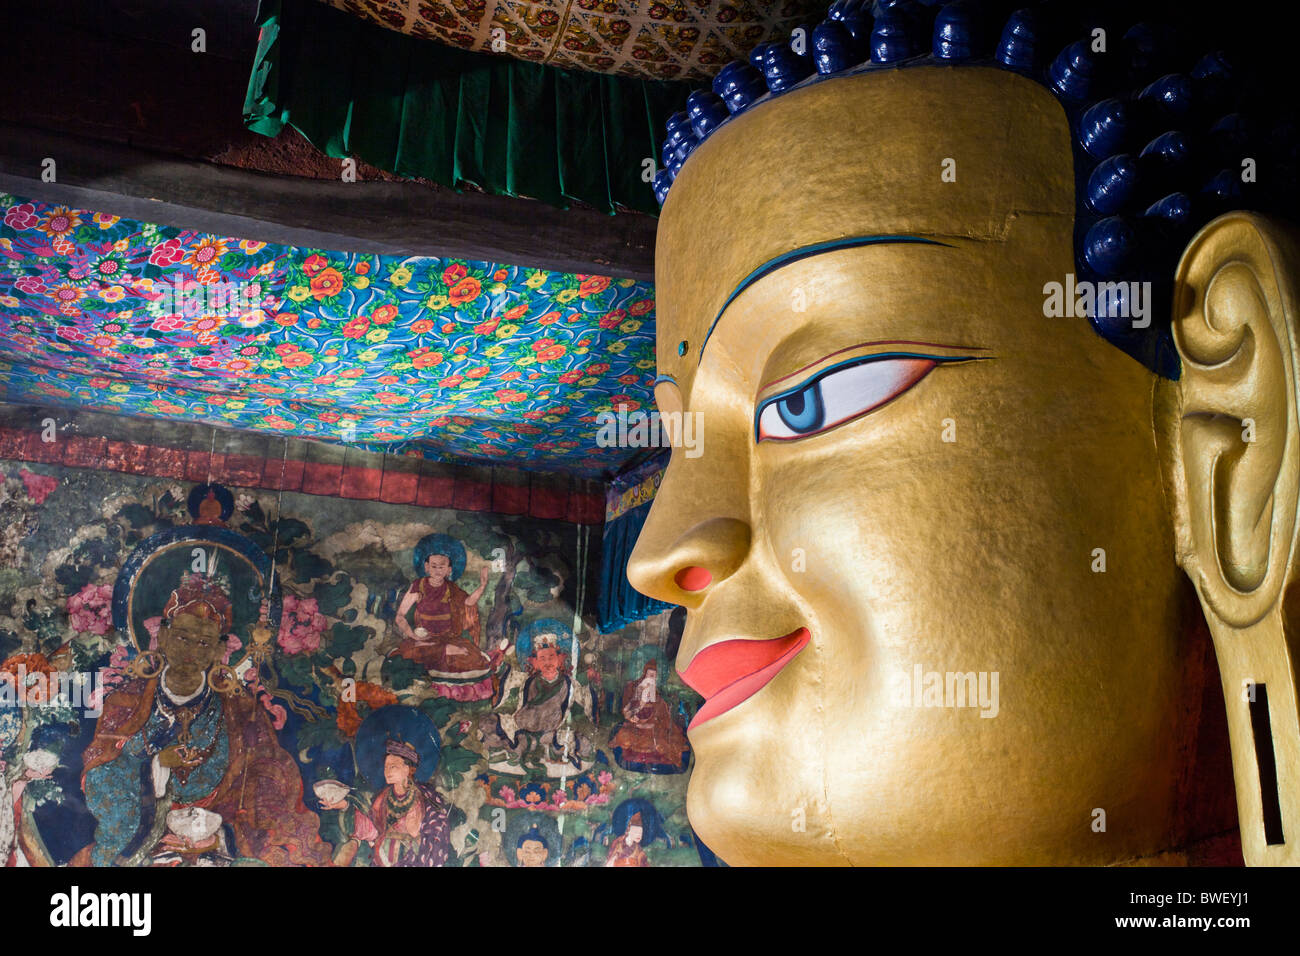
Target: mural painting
pixel 194 675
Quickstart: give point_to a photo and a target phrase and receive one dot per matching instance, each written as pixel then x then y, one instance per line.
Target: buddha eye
pixel 839 394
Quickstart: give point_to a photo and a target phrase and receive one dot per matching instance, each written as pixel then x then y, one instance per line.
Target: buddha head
pixel 956 560
pixel 531 849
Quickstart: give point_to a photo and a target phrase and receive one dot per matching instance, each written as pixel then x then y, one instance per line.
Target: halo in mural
pixel 397 722
pixel 157 565
pixel 218 494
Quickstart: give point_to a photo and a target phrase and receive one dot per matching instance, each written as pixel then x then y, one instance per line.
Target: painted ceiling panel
pixel 450 359
pixel 663 39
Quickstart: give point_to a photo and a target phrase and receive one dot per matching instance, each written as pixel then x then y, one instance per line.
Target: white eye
pixel 839 394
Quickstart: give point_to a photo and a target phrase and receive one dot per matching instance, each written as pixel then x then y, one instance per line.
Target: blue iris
pixel 803 411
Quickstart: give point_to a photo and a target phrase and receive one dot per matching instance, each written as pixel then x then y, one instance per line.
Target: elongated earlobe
pixel 1237 408
pixel 1235 451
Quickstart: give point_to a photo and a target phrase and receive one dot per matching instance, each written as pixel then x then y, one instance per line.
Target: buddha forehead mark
pixel 805 252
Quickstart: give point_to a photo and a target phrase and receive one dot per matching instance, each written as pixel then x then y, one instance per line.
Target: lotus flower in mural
pixel 90 611
pixel 301 625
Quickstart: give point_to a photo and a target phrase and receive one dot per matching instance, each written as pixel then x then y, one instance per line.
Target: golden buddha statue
pixel 911 471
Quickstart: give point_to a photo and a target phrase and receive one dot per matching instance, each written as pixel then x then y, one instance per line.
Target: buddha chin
pixel 943 619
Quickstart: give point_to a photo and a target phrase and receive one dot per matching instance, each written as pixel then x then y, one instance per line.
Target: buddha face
pixel 437 567
pixel 532 853
pixel 910 479
pixel 191 644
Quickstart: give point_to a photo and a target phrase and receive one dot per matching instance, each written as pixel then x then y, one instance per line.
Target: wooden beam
pixel 403 218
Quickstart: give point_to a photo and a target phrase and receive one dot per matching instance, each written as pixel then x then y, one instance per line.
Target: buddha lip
pixel 730 672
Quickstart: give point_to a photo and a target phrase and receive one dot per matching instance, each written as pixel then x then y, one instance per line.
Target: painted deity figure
pixel 439 622
pixel 929 465
pixel 188 734
pixel 408 822
pixel 649 738
pixel 538 732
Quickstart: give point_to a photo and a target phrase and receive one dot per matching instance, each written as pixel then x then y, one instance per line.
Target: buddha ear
pixel 1231 443
pixel 1235 434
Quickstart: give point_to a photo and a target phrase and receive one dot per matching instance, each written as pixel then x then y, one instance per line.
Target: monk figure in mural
pixel 626 850
pixel 649 738
pixel 440 623
pixel 184 732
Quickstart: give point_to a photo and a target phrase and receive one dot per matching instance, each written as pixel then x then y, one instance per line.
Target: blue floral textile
pixel 450 359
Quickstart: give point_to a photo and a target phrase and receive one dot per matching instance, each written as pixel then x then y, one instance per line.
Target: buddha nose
pixel 684 568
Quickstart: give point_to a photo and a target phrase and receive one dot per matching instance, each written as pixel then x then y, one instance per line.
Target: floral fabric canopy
pixel 454 360
pixel 655 39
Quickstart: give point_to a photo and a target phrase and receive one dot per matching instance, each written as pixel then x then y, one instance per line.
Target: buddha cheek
pixel 756 793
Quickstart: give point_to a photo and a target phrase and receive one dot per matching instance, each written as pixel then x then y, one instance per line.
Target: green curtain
pixel 418 108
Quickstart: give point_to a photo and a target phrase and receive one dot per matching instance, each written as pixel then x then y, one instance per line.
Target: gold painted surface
pixel 899 549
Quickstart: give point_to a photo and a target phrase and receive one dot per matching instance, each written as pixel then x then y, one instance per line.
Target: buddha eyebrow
pixel 806 252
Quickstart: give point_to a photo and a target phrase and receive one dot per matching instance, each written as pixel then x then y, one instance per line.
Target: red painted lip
pixel 730 672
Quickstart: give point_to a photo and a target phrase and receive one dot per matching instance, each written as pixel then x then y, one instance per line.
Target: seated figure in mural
pixel 408 823
pixel 921 461
pixel 439 622
pixel 649 740
pixel 539 734
pixel 189 735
